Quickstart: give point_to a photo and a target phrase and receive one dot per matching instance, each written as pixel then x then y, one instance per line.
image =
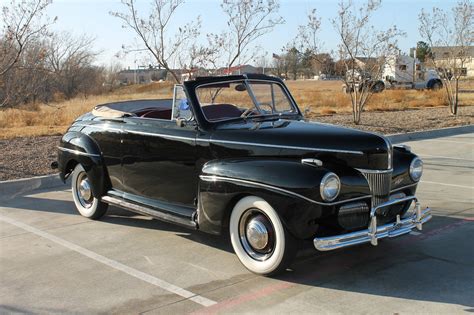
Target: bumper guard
pixel 373 233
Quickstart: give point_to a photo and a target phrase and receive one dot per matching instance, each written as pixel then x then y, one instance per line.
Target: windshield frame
pixel 295 111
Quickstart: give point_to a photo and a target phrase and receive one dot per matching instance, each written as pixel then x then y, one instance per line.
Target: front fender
pixel 290 187
pixel 76 147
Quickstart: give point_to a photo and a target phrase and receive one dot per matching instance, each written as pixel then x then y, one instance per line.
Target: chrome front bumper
pixel 373 233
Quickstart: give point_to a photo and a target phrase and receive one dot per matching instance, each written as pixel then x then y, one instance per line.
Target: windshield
pixel 229 100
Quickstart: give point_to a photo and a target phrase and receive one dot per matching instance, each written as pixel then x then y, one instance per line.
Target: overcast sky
pixel 92 17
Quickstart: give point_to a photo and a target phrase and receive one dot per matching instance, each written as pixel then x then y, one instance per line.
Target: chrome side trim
pixel 141 209
pixel 373 233
pixel 151 134
pixel 213 178
pixel 78 152
pixel 283 146
pixel 101 127
pixel 229 141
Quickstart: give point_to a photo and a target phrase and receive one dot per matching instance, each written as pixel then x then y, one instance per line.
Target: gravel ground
pixel 405 121
pixel 27 157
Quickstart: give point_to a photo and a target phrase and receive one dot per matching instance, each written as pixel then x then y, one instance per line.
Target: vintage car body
pixel 266 176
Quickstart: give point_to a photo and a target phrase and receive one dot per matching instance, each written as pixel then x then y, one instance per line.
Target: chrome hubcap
pixel 85 189
pixel 84 192
pixel 256 234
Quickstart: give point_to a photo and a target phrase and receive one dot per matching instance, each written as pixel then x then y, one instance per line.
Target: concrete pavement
pixel 54 261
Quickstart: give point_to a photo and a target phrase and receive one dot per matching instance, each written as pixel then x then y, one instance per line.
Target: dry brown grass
pixel 52 119
pixel 320 97
pixel 327 98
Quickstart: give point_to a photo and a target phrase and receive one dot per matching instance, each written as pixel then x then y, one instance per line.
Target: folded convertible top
pixel 128 108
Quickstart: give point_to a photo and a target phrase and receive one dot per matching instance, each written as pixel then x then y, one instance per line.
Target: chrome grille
pixel 380 185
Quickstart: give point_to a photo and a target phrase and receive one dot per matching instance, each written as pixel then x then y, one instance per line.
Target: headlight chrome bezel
pixel 322 186
pixel 413 166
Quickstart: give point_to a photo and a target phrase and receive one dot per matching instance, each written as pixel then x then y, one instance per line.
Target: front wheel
pixel 258 237
pixel 87 205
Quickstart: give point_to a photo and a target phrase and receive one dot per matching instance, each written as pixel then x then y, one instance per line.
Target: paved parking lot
pixel 53 260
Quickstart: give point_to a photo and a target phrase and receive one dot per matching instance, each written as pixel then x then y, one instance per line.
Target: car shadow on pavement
pixel 120 216
pixel 436 266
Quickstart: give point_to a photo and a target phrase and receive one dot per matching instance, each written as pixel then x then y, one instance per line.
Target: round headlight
pixel 416 169
pixel 329 187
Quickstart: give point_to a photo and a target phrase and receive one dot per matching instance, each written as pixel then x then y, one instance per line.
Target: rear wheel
pixel 436 85
pixel 378 87
pixel 87 205
pixel 258 237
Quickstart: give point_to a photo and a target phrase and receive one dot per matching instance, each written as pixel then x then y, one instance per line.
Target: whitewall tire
pixel 258 237
pixel 87 205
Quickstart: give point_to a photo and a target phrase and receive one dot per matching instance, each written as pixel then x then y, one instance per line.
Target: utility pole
pixel 414 68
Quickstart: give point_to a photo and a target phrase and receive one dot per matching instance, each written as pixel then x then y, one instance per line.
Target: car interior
pixel 162 109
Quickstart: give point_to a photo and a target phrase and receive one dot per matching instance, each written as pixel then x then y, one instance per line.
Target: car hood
pixel 295 139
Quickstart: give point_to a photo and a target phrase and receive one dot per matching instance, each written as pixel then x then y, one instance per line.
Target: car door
pixel 159 160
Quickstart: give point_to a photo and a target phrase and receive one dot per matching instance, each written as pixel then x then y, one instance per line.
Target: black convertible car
pixel 234 155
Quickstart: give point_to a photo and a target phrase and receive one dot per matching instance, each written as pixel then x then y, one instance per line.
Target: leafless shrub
pixel 453 33
pixel 362 50
pixel 69 59
pixel 247 21
pixel 24 22
pixel 152 31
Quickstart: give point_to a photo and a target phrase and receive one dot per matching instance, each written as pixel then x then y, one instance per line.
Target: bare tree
pixel 308 33
pixel 362 50
pixel 247 21
pixel 449 35
pixel 310 44
pixel 70 60
pixel 152 32
pixel 26 81
pixel 23 22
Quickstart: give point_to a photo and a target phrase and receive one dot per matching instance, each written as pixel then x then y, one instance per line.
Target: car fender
pixel 431 82
pixel 76 147
pixel 289 186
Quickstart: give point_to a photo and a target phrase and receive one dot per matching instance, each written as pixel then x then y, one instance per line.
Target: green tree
pixel 423 51
pixel 306 63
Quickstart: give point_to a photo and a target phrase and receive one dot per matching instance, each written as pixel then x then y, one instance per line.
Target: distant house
pixel 240 69
pixel 465 54
pixel 190 74
pixel 141 76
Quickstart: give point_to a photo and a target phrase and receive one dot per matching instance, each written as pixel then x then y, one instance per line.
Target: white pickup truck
pixel 403 71
pixel 399 72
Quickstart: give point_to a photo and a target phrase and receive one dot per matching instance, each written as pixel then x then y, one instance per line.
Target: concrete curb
pixel 430 134
pixel 11 188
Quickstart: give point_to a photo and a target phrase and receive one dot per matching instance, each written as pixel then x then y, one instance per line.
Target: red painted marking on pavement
pixel 232 302
pixel 441 230
pixel 229 303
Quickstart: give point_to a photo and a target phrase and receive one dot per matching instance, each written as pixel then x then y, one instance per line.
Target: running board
pixel 164 216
